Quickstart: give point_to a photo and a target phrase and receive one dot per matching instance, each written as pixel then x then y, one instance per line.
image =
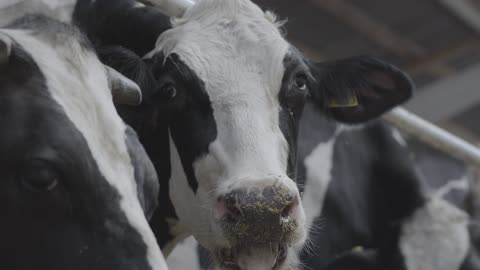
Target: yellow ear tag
pixel 358 249
pixel 350 101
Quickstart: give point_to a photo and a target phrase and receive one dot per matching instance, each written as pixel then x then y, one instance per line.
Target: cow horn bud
pixel 172 8
pixel 124 90
pixel 5 48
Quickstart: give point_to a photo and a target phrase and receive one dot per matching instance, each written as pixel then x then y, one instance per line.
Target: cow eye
pixel 295 96
pixel 39 176
pixel 168 91
pixel 301 81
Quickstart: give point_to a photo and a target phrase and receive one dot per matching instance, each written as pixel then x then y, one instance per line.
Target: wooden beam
pixel 435 63
pixel 377 31
pixel 465 10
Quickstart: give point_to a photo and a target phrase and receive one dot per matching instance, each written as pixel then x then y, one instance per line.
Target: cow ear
pixel 124 90
pixel 5 49
pixel 359 89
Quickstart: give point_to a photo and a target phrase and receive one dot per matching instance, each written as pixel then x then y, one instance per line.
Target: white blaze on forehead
pixel 77 82
pixel 237 51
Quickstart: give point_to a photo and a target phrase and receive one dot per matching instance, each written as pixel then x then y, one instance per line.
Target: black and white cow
pixel 76 186
pixel 228 90
pixel 370 207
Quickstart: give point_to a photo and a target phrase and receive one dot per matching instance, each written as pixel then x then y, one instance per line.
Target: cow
pixel 377 201
pixel 224 92
pixel 76 185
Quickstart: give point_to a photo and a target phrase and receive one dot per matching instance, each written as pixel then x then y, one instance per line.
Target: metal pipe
pixel 465 10
pixel 434 135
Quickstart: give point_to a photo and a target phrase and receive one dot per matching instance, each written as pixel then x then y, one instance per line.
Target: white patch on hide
pixel 184 201
pixel 435 237
pixel 185 255
pixel 318 166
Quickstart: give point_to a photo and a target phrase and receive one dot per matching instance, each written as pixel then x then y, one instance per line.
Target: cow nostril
pixel 228 208
pixel 234 211
pixel 287 211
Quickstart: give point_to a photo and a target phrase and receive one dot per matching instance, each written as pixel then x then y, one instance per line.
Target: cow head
pixel 233 90
pixel 75 184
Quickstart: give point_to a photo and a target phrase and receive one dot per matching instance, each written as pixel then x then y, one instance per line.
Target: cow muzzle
pixel 260 212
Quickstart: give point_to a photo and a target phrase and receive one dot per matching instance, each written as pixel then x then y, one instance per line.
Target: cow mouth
pixel 268 258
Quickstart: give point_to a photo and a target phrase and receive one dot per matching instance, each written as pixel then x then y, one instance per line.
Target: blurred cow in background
pixel 382 202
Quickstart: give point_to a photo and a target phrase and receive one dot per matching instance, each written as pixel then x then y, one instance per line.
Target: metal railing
pixel 433 135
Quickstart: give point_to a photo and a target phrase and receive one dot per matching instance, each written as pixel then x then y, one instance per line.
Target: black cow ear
pixel 5 49
pixel 359 89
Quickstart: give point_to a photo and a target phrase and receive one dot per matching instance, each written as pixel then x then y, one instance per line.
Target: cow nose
pixel 273 205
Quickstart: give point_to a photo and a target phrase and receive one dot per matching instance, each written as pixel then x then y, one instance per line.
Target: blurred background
pixel 436 41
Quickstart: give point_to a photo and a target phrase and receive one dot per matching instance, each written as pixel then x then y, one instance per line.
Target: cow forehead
pixel 230 45
pixel 77 81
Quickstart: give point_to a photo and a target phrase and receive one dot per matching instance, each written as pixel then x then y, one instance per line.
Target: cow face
pixel 75 185
pixel 234 89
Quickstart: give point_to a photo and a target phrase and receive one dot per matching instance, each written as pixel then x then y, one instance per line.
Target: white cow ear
pixel 5 49
pixel 124 90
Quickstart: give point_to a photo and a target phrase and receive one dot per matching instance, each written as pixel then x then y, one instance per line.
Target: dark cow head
pixel 75 184
pixel 233 90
